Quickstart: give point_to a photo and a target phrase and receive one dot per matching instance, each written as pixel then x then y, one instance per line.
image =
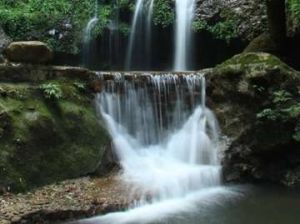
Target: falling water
pixel 114 37
pixel 139 44
pixel 149 31
pixel 88 34
pixel 185 11
pixel 167 142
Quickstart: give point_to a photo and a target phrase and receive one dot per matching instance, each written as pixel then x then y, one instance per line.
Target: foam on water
pixel 167 142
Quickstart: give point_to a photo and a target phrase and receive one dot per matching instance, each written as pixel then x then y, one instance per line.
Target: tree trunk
pixel 277 21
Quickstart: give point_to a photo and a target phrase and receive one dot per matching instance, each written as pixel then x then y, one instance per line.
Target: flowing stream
pixel 167 142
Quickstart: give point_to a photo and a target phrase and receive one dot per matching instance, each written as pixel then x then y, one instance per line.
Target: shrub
pixel 51 91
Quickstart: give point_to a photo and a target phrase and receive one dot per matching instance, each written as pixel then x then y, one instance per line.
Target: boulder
pixel 34 52
pixel 49 131
pixel 256 99
pixel 262 43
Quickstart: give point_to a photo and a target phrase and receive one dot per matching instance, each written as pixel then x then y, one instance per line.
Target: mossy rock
pixel 43 140
pixel 239 90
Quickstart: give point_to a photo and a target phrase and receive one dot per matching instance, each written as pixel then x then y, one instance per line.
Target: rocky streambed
pixel 68 200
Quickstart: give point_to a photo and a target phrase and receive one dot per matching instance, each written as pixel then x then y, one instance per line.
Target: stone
pixel 34 52
pixel 262 43
pixel 11 72
pixel 249 16
pixel 243 92
pixel 46 140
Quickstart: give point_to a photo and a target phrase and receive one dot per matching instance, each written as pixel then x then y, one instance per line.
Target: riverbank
pixel 68 200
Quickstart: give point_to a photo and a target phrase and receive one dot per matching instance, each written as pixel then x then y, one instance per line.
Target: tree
pixel 277 21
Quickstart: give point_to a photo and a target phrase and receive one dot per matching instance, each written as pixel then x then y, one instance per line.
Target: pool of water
pixel 255 206
pixel 250 205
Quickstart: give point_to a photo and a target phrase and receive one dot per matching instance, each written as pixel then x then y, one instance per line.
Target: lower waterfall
pixel 167 142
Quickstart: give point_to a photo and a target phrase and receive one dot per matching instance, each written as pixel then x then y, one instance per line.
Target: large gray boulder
pixel 34 52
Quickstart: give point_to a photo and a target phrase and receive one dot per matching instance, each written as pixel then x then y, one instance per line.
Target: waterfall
pixel 88 34
pixel 167 142
pixel 185 11
pixel 149 32
pixel 114 37
pixel 139 43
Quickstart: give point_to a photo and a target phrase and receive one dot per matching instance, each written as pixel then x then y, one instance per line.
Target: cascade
pixel 88 34
pixel 167 142
pixel 114 36
pixel 185 11
pixel 139 43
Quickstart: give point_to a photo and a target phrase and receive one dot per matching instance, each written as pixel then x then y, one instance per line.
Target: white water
pixel 167 143
pixel 140 35
pixel 185 11
pixel 88 33
pixel 114 36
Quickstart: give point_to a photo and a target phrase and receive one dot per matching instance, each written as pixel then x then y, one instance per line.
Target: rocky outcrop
pixel 34 52
pixel 18 72
pixel 49 130
pixel 256 98
pixel 249 17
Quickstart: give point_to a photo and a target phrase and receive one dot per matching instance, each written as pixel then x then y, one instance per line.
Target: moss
pixel 44 140
pixel 262 43
pixel 256 97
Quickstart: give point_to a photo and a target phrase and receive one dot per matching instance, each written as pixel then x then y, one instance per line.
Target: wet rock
pixel 45 138
pixel 34 52
pixel 253 95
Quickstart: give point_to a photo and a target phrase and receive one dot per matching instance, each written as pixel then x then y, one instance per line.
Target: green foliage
pixel 294 9
pixel 283 109
pixel 199 25
pixel 80 85
pixel 164 15
pixel 224 30
pixel 268 114
pixel 51 91
pixel 281 96
pixel 33 19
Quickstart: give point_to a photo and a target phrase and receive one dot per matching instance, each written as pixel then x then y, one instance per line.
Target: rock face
pixel 249 17
pixel 256 98
pixel 49 130
pixel 34 52
pixel 4 41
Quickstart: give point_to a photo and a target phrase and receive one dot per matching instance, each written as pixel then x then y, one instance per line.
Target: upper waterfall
pixel 139 43
pixel 185 11
pixel 88 34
